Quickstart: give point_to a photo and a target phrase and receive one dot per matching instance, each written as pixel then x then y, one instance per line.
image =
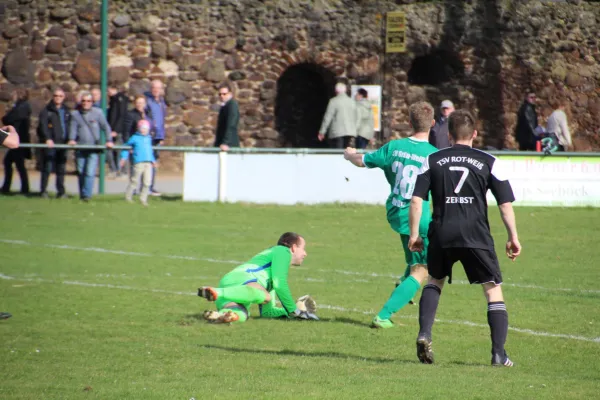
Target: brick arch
pixel 303 91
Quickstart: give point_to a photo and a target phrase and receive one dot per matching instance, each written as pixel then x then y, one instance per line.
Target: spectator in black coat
pixel 53 128
pixel 527 121
pixel 20 118
pixel 117 114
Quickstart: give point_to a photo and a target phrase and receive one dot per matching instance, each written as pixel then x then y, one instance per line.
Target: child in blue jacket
pixel 143 161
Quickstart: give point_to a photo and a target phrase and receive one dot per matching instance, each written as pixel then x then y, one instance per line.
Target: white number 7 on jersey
pixel 463 178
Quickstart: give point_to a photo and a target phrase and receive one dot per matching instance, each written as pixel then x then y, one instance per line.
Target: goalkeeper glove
pixel 299 314
pixel 307 303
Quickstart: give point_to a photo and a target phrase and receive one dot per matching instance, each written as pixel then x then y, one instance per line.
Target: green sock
pixel 400 297
pixel 240 313
pixel 242 294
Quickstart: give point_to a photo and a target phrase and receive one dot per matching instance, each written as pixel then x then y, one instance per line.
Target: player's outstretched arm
pixel 513 247
pixel 415 243
pixel 355 158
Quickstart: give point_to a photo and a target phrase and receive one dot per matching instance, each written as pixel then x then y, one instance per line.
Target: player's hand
pixel 513 248
pixel 415 244
pixel 348 152
pixel 321 137
pixel 298 314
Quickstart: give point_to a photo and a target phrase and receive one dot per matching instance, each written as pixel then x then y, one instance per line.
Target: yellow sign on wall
pixel 395 32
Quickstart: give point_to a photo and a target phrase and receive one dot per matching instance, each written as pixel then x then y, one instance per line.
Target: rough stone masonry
pixel 482 54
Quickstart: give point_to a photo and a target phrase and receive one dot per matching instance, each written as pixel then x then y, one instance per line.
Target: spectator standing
pixel 86 123
pixel 557 124
pixel 117 114
pixel 438 135
pixel 158 108
pixel 20 118
pixel 143 160
pixel 365 126
pixel 228 120
pixel 339 122
pixel 527 121
pixel 53 128
pixel 97 97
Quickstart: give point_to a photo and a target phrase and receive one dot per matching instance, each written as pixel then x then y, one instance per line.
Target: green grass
pixel 137 334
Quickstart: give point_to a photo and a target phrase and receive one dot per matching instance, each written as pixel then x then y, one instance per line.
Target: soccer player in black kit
pixel 459 178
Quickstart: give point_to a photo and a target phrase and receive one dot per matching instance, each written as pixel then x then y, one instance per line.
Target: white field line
pixel 324 306
pixel 213 260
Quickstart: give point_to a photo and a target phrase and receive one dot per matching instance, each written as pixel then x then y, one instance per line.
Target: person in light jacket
pixel 339 122
pixel 365 126
pixel 86 123
pixel 558 125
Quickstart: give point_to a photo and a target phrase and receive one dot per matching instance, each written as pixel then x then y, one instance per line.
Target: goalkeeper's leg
pixel 236 287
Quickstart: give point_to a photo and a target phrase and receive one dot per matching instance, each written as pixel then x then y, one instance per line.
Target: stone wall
pixel 481 54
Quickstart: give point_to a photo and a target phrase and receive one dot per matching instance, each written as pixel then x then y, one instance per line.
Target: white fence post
pixel 222 176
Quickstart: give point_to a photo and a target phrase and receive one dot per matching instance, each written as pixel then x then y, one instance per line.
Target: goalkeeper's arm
pixel 279 269
pixel 269 310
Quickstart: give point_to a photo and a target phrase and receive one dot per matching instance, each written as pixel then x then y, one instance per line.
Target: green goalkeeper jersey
pixel 270 269
pixel 401 161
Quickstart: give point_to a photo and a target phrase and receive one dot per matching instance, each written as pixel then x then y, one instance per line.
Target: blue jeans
pixel 87 162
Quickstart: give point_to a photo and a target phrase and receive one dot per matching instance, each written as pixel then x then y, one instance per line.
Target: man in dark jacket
pixel 20 118
pixel 438 135
pixel 117 113
pixel 227 123
pixel 527 121
pixel 53 128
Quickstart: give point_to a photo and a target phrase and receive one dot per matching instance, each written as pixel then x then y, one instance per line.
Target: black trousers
pixel 58 160
pixel 339 142
pixel 16 157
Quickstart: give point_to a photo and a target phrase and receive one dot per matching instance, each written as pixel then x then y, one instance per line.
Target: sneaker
pixel 44 195
pixel 208 293
pixel 62 196
pixel 501 360
pixel 155 193
pixel 5 315
pixel 379 323
pixel 145 203
pixel 424 351
pixel 217 317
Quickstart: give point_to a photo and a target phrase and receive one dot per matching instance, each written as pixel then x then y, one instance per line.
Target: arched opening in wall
pixel 435 68
pixel 303 91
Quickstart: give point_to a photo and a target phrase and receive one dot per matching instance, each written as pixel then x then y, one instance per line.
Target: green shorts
pixel 235 278
pixel 413 258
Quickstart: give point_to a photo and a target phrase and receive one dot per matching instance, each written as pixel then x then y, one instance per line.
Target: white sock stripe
pixel 497 308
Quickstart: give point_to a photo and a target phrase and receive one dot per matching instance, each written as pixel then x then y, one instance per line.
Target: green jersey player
pixel 259 281
pixel 401 161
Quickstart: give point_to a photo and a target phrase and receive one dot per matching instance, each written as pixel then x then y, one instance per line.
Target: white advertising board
pixel 326 178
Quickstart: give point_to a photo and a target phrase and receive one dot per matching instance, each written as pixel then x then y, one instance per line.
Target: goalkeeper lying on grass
pixel 257 282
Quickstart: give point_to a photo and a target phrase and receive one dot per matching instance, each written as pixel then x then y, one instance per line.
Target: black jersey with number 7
pixel 459 178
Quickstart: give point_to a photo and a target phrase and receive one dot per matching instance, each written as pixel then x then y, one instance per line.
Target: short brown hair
pixel 288 239
pixel 420 115
pixel 225 86
pixel 461 125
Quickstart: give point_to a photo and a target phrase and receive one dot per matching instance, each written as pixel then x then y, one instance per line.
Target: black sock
pixel 498 321
pixel 428 305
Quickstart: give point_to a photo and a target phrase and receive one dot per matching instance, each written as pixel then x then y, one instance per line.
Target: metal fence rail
pixel 260 150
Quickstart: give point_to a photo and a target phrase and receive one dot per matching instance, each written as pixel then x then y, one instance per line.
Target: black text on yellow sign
pixel 395 32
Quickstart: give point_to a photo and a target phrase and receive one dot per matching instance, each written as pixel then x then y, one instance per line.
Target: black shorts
pixel 481 266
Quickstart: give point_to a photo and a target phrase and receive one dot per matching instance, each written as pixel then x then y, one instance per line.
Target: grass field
pixel 104 307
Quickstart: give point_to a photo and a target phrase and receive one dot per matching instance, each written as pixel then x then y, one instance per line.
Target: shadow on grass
pixel 326 354
pixel 338 320
pixel 170 197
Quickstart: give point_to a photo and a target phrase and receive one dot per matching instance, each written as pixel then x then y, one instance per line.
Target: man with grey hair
pixel 86 123
pixel 339 122
pixel 438 136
